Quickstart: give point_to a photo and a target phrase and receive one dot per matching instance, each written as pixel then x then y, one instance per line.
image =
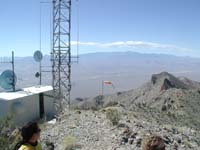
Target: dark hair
pixel 27 133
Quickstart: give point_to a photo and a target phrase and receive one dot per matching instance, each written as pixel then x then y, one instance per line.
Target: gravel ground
pixel 91 130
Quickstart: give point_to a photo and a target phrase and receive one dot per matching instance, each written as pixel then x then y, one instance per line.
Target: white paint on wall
pixel 24 104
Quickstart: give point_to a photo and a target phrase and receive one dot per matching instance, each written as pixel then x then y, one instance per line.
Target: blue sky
pixel 147 26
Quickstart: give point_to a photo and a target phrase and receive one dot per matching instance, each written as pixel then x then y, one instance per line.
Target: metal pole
pixel 40 64
pixel 59 54
pixel 40 73
pixel 13 69
pixel 77 4
pixel 69 57
pixel 102 88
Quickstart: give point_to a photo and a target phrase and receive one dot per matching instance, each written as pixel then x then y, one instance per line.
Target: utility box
pixel 28 104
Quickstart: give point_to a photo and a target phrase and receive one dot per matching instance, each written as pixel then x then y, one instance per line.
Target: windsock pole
pixel 108 83
pixel 102 88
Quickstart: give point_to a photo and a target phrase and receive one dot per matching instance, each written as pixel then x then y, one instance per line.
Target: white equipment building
pixel 28 104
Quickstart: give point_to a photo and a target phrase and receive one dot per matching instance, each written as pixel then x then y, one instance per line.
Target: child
pixel 30 134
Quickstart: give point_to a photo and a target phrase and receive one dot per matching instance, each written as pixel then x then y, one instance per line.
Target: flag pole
pixel 102 88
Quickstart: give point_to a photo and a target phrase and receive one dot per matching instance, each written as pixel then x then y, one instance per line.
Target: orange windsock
pixel 107 82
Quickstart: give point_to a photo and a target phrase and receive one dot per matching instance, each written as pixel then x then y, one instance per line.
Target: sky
pixel 145 26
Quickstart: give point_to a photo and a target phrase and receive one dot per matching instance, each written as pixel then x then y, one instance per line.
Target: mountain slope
pixel 167 106
pixel 165 94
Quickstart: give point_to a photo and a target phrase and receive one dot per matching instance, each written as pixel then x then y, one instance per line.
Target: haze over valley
pixel 126 70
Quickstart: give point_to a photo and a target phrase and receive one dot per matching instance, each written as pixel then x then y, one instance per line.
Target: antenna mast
pixel 61 53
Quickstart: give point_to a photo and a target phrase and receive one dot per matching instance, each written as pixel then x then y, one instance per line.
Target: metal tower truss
pixel 61 53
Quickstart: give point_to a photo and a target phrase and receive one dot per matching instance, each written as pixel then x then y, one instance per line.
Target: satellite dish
pixel 8 79
pixel 38 56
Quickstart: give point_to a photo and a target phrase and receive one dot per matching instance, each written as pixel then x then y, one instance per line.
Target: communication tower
pixel 61 53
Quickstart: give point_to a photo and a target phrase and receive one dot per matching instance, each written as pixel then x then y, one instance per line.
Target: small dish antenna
pixel 8 80
pixel 37 75
pixel 38 56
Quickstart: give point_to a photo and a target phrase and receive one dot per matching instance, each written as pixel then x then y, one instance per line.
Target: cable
pixel 40 82
pixel 78 34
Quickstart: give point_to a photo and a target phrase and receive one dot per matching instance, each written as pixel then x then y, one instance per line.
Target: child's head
pixel 30 132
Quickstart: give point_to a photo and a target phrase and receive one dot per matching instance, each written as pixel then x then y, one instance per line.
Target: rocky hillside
pixel 92 130
pixel 166 105
pixel 178 97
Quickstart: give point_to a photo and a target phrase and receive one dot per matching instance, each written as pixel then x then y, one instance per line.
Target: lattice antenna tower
pixel 61 53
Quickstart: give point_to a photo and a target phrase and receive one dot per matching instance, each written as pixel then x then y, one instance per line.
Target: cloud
pixel 73 43
pixel 133 45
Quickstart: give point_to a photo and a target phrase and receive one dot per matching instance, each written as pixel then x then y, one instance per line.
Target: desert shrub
pixel 69 143
pixel 99 101
pixel 171 115
pixel 119 93
pixel 4 143
pixel 111 103
pixel 5 131
pixel 48 145
pixel 79 99
pixel 153 142
pixel 94 108
pixel 113 114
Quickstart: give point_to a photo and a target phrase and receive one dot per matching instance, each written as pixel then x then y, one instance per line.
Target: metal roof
pixel 25 92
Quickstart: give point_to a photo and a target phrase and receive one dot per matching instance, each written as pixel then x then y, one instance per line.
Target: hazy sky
pixel 147 26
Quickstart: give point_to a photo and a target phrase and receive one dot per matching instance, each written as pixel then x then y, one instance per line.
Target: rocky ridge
pixel 166 106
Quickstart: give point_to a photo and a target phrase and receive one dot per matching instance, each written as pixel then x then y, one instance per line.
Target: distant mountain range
pixel 127 70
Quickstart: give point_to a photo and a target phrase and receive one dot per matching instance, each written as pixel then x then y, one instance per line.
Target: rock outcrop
pixel 167 81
